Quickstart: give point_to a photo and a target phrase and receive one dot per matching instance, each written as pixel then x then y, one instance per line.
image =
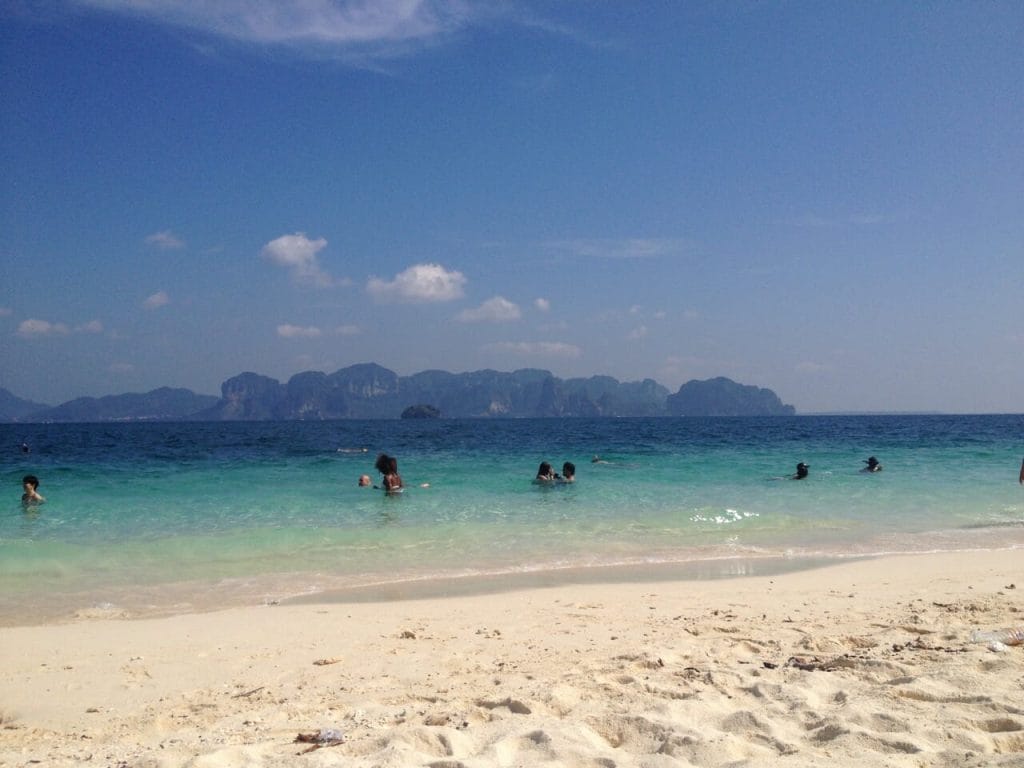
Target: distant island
pixel 370 391
pixel 421 412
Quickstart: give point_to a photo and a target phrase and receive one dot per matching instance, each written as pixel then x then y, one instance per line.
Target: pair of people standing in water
pixel 391 482
pixel 803 470
pixel 546 474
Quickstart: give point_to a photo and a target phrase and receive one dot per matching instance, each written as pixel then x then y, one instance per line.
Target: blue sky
pixel 826 199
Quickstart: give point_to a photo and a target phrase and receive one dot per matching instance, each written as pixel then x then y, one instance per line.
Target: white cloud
pixel 535 348
pixel 165 241
pixel 637 333
pixel 157 300
pixel 542 305
pixel 419 283
pixel 287 331
pixel 32 328
pixel 93 326
pixel 299 254
pixel 629 248
pixel 380 27
pixel 348 330
pixel 495 310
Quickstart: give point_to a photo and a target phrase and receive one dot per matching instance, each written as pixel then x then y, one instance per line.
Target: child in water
pixel 30 485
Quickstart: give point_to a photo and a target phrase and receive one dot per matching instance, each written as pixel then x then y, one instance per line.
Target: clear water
pixel 159 517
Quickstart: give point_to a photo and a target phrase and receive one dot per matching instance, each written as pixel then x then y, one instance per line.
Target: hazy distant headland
pixel 370 391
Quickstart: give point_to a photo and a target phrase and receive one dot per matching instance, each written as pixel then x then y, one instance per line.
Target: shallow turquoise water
pixel 211 513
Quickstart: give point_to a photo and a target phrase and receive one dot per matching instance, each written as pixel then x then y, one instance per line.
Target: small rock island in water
pixel 421 412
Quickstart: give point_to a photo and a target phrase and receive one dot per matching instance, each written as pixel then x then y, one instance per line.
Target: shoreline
pixel 164 600
pixel 865 662
pixel 141 602
pixel 477 584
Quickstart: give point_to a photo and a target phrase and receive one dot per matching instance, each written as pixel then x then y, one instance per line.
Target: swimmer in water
pixel 364 481
pixel 872 465
pixel 545 474
pixel 568 473
pixel 30 486
pixel 388 467
pixel 392 480
pixel 802 471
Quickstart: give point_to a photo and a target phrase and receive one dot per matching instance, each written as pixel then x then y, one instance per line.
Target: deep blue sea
pixel 145 518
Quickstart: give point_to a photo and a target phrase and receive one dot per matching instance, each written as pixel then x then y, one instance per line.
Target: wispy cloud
pixel 629 248
pixel 542 305
pixel 33 328
pixel 298 254
pixel 637 333
pixel 419 283
pixel 495 310
pixel 813 221
pixel 288 331
pixel 121 368
pixel 368 28
pixel 535 349
pixel 93 326
pixel 165 241
pixel 156 300
pixel 636 313
pixel 6 312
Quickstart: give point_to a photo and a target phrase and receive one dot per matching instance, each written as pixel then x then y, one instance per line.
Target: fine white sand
pixel 865 663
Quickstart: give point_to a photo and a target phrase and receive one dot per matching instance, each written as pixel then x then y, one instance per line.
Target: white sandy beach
pixel 866 663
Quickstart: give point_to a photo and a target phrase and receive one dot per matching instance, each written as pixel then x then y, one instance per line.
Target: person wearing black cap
pixel 872 465
pixel 801 471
